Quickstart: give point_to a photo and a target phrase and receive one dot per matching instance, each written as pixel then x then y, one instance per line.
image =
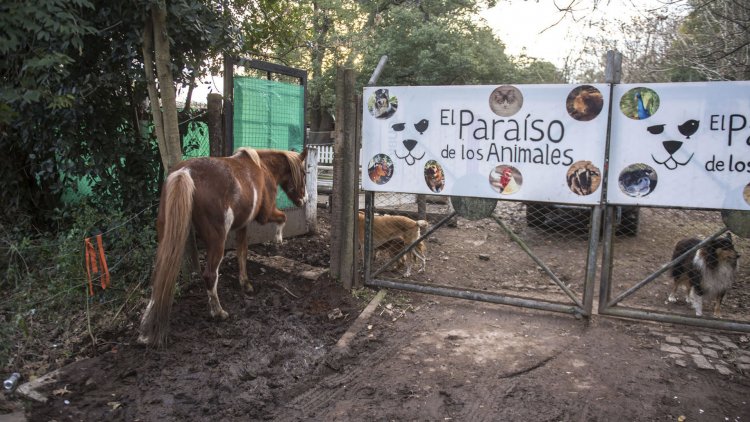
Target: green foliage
pixel 77 109
pixel 423 48
pixel 712 43
pixel 44 276
pixel 39 40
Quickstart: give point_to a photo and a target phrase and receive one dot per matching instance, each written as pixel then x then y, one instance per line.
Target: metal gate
pixel 636 277
pixel 508 257
pixel 544 256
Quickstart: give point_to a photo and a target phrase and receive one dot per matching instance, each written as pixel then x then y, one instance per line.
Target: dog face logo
pixel 672 146
pixel 410 145
pixel 381 105
pixel 637 180
pixel 434 176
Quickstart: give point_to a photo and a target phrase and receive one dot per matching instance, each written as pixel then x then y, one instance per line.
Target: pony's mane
pixel 253 154
pixel 297 171
pixel 292 158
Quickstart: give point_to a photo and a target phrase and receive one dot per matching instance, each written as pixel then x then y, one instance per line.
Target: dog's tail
pixel 177 210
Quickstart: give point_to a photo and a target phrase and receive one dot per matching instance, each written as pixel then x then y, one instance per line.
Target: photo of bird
pixel 505 180
pixel 643 112
pixel 639 103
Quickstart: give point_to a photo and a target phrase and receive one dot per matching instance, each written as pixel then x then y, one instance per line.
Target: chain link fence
pixel 542 251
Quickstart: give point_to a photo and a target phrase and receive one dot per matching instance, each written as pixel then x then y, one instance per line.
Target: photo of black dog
pixel 707 273
pixel 637 180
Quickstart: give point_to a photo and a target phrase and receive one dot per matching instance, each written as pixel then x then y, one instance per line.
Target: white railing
pixel 325 167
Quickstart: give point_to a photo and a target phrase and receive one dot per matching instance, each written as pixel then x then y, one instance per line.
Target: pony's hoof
pixel 221 315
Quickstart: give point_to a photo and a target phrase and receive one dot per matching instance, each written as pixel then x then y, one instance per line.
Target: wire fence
pixel 483 255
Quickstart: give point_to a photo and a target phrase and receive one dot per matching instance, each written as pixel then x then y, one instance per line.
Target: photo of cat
pixel 506 100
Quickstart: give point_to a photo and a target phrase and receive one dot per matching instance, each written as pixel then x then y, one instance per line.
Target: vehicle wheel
pixel 535 215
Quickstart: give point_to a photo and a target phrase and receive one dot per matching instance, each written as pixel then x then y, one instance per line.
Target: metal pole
pixel 367 252
pixel 612 75
pixel 476 295
pixel 677 319
pixel 588 285
pixel 604 285
pixel 539 262
pixel 378 69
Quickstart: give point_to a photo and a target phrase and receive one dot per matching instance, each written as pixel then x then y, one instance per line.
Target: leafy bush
pixel 45 300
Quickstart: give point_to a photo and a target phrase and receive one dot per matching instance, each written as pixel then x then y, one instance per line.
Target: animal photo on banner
pixel 381 104
pixel 583 178
pixel 506 100
pixel 639 103
pixel 216 195
pixel 584 103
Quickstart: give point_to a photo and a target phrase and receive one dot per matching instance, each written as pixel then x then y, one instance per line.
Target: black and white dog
pixel 707 273
pixel 383 107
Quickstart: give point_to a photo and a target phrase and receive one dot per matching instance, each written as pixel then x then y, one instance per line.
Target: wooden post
pixel 422 207
pixel 311 206
pixel 215 125
pixel 343 199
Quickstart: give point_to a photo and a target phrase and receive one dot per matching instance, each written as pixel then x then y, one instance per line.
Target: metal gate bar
pixel 704 322
pixel 407 249
pixel 608 307
pixel 538 262
pixel 577 308
pixel 476 295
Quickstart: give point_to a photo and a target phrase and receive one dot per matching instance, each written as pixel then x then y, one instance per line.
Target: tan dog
pixel 393 247
pixel 395 228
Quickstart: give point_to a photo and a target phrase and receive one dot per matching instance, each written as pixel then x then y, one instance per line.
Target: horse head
pixel 294 185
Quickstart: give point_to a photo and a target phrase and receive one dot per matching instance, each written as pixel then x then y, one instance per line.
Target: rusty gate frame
pixel 578 308
pixel 611 307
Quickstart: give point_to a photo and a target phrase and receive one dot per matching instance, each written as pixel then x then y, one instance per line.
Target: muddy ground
pixel 420 357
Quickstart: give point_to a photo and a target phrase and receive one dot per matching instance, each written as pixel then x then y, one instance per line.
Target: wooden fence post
pixel 311 207
pixel 215 126
pixel 345 179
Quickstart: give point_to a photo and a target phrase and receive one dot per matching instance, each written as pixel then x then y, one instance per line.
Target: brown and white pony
pixel 217 195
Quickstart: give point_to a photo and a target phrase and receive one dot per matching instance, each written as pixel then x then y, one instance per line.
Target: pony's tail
pixel 177 210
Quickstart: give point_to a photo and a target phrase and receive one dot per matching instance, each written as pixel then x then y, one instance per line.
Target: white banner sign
pixel 521 142
pixel 681 144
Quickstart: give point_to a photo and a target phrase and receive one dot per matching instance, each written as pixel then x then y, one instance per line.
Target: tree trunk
pixel 166 85
pixel 164 104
